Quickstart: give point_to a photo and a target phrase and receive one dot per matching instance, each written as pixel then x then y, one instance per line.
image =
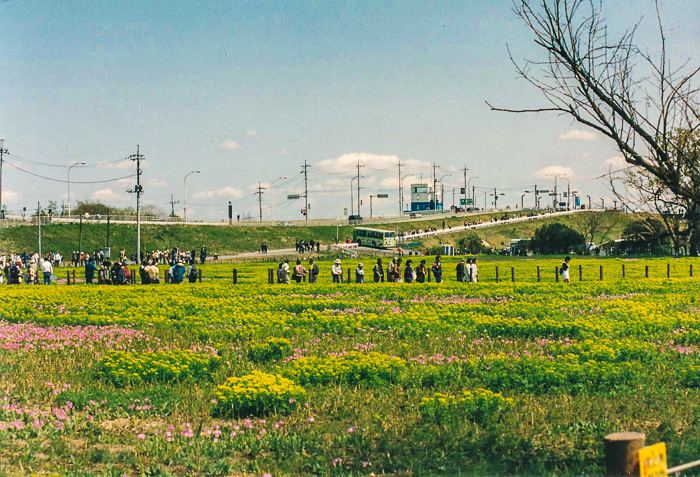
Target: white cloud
pixel 348 163
pixel 156 183
pixel 105 195
pixel 547 172
pixel 251 133
pixel 616 162
pixel 226 192
pixel 229 145
pixel 577 135
pixel 10 196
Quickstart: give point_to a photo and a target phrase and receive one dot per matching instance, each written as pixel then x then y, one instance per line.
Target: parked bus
pixel 374 237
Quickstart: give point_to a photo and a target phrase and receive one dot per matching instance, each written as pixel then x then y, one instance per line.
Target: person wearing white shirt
pixel 47 269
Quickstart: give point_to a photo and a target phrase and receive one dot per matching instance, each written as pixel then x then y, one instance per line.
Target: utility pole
pixel 2 152
pixel 435 186
pixel 38 216
pixel 260 193
pixel 306 192
pixel 358 188
pixel 172 206
pixel 108 250
pixel 138 190
pixel 400 189
pixel 466 192
pixel 473 197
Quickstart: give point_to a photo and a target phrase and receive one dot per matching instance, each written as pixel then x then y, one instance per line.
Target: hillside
pixel 228 240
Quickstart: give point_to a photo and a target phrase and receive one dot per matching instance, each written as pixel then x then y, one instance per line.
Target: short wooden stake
pixel 623 270
pixel 538 273
pixel 429 270
pixel 622 453
pixel 691 270
pixel 601 273
pixel 348 274
pixel 73 277
pixel 556 274
pixel 496 273
pixel 668 270
pixel 200 274
pixel 512 274
pixel 646 271
pixel 235 277
pixel 580 273
pixel 67 277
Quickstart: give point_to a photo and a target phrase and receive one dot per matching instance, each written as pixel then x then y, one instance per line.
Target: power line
pixel 65 181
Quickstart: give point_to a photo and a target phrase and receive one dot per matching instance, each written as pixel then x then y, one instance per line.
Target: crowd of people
pixel 396 271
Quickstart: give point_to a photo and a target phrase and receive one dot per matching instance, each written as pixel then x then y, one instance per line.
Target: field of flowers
pixel 217 379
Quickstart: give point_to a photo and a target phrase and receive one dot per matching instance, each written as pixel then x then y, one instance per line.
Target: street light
pixel 442 192
pixel 522 201
pixel 401 186
pixel 352 205
pixel 71 167
pixel 568 193
pixel 556 176
pixel 272 189
pixel 185 182
pixel 473 193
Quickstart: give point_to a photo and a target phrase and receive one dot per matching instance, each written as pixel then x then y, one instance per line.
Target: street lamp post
pixel 555 197
pixel 272 189
pixel 352 204
pixel 402 188
pixel 568 193
pixel 71 167
pixel 473 194
pixel 185 183
pixel 442 193
pixel 522 202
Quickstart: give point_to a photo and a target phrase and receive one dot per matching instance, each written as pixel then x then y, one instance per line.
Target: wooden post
pixel 646 271
pixel 166 275
pixel 580 273
pixel 496 273
pixel 622 453
pixel 73 277
pixel 556 274
pixel 538 273
pixel 349 275
pixel 691 270
pixel 668 270
pixel 235 276
pixel 512 274
pixel 601 273
pixel 200 274
pixel 623 270
pixel 270 276
pixel 67 277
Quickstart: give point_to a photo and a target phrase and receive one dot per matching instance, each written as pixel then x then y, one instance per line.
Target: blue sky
pixel 246 91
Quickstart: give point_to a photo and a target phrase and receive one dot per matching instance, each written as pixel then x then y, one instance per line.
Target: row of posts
pixel 271 278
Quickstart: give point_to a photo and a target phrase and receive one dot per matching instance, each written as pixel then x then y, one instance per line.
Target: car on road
pixel 416 215
pixel 355 220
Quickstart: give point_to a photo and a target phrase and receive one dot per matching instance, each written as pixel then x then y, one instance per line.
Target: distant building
pixel 422 198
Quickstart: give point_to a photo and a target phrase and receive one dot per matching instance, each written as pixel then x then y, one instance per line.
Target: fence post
pixel 622 453
pixel 166 275
pixel 67 277
pixel 73 277
pixel 496 273
pixel 668 270
pixel 512 274
pixel 200 274
pixel 601 273
pixel 623 270
pixel 556 274
pixel 538 273
pixel 235 277
pixel 691 270
pixel 646 271
pixel 349 275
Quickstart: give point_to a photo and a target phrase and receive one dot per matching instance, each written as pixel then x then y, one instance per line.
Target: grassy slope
pixel 226 240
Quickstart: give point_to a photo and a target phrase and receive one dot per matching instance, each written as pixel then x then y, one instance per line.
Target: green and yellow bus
pixel 374 237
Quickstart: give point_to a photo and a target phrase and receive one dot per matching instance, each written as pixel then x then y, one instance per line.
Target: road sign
pixel 345 211
pixel 293 196
pixel 543 191
pixel 652 461
pixel 382 196
pixel 468 202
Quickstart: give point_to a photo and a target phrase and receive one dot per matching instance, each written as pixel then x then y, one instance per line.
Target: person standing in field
pixel 398 274
pixel 461 270
pixel 299 271
pixel 313 271
pixel 565 270
pixel 378 271
pixel 337 272
pixel 421 270
pixel 360 273
pixel 47 270
pixel 409 274
pixel 391 271
pixel 90 270
pixel 285 272
pixel 104 276
pixel 437 270
pixel 475 271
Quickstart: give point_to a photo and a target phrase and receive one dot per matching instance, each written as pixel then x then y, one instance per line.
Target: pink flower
pixel 141 436
pixel 311 419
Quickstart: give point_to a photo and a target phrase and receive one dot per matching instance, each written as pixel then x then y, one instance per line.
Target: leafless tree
pixel 614 87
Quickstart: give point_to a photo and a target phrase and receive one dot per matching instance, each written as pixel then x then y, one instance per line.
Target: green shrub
pixel 351 368
pixel 477 406
pixel 270 349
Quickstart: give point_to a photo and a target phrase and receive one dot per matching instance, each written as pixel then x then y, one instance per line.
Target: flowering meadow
pixel 347 379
